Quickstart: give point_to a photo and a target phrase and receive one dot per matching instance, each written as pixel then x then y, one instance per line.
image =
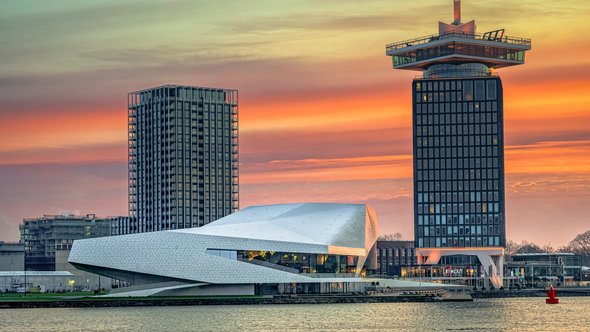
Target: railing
pixel 475 36
pixel 271 265
pixel 456 74
pixel 330 275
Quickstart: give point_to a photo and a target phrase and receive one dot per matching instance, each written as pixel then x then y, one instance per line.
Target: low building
pixel 585 276
pixel 37 281
pixel 520 271
pixel 275 249
pixel 393 255
pixel 12 256
pixel 462 268
pixel 48 241
pixel 121 225
pixel 539 269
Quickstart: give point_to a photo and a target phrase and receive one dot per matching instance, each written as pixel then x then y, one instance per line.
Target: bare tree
pixel 548 248
pixel 512 247
pixel 391 237
pixel 580 245
pixel 529 248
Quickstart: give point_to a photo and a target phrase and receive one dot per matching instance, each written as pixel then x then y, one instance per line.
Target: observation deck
pixel 457 44
pixel 491 48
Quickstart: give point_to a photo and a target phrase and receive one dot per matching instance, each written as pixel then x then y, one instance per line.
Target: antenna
pixel 457 16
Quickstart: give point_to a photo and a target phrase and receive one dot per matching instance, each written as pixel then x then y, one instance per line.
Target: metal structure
pixel 183 157
pixel 458 138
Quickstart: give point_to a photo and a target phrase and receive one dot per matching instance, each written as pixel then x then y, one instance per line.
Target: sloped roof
pixel 339 229
pixel 331 224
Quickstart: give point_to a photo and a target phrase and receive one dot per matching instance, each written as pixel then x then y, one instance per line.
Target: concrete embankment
pixel 529 293
pixel 134 302
pixel 85 302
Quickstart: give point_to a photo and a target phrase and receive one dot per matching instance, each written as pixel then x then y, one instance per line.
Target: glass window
pixel 468 90
pixel 491 89
pixel 480 90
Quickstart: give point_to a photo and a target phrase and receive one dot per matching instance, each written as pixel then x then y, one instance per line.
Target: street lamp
pixel 420 257
pixel 25 264
pixel 72 282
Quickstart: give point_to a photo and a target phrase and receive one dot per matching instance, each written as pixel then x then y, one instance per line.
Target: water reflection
pixel 520 314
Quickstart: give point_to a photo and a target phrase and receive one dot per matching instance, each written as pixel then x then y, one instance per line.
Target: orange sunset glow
pixel 323 116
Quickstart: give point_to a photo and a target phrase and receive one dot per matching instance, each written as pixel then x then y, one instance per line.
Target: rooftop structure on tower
pixel 458 43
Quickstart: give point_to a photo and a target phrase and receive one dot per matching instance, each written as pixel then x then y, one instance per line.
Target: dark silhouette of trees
pixel 391 237
pixel 529 248
pixel 580 245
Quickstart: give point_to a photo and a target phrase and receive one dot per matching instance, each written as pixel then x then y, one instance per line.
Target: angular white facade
pixel 286 243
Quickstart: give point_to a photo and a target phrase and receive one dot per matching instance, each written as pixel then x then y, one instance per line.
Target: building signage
pixel 449 271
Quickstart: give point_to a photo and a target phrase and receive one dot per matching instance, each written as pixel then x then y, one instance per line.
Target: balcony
pixel 458 48
pixel 515 41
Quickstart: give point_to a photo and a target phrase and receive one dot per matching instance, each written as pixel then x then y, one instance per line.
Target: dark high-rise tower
pixel 183 157
pixel 458 138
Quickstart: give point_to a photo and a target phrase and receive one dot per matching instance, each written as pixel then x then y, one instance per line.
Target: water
pixel 522 314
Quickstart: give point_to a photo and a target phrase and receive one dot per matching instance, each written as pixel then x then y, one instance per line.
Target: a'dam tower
pixel 458 143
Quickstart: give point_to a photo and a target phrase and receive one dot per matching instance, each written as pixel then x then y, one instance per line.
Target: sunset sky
pixel 323 116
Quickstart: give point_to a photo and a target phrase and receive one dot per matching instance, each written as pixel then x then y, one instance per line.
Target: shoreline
pixel 529 293
pixel 88 302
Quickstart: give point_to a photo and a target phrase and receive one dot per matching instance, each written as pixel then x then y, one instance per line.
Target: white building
pixel 287 248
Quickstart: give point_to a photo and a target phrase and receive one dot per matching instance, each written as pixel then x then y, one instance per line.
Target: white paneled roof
pixel 345 229
pixel 316 223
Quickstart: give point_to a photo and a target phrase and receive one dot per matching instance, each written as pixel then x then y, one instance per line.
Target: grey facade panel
pixel 12 256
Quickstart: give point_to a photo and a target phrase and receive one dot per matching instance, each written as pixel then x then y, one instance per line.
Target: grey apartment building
pixel 47 243
pixel 48 240
pixel 183 157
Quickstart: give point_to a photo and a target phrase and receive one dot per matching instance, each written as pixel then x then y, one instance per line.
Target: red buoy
pixel 551 294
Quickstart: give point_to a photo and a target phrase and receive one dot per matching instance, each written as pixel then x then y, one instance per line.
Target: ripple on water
pixel 520 314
